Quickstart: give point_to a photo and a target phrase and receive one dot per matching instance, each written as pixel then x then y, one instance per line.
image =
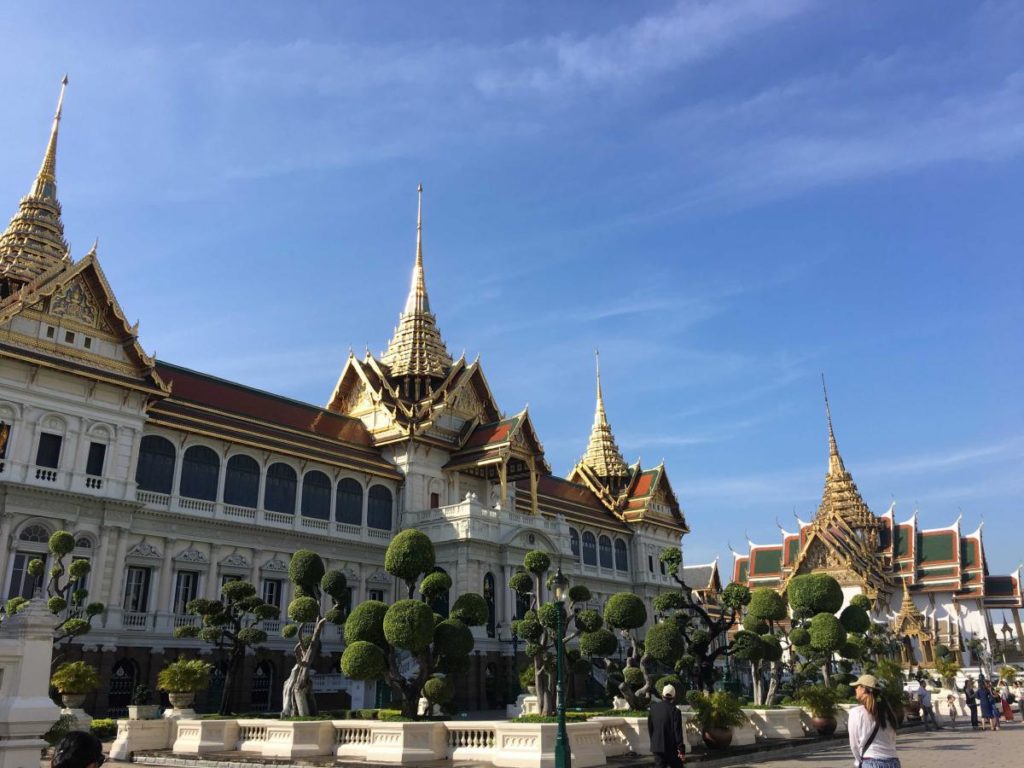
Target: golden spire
pixel 417 349
pixel 34 241
pixel 603 455
pixel 840 496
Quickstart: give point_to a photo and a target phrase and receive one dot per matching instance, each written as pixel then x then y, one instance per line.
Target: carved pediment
pixel 75 302
pixel 144 549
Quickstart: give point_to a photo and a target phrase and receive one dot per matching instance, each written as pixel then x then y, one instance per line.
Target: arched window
pixel 604 544
pixel 589 549
pixel 200 470
pixel 262 686
pixel 316 495
pixel 279 495
pixel 348 506
pixel 489 599
pixel 34 533
pixel 242 482
pixel 574 542
pixel 621 560
pixel 155 470
pixel 378 510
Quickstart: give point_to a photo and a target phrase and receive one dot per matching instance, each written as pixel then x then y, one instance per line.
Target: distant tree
pixel 231 625
pixel 65 593
pixel 378 635
pixel 311 581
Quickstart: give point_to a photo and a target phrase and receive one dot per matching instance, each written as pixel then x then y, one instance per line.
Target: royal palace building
pixel 931 586
pixel 174 481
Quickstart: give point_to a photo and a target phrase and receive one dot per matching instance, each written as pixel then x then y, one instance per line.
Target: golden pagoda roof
pixel 603 455
pixel 840 497
pixel 417 349
pixel 33 242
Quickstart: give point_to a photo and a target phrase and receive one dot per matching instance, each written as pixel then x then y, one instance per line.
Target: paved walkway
pixel 959 747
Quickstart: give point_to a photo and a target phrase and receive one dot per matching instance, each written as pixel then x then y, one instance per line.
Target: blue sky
pixel 727 198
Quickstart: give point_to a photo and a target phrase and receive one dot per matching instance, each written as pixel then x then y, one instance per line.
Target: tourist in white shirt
pixel 924 698
pixel 872 727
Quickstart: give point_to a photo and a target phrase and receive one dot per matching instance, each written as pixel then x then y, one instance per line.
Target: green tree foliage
pixel 66 597
pixel 232 625
pixel 855 619
pixel 814 593
pixel 378 635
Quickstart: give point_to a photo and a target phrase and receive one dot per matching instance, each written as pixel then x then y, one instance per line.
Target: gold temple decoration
pixel 603 455
pixel 910 624
pixel 417 350
pixel 33 242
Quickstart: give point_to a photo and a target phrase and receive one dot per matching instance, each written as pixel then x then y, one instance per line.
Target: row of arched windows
pixel 599 550
pixel 200 472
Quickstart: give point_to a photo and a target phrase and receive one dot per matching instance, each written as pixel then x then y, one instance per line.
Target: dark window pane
pixel 589 549
pixel 280 492
pixel 316 496
pixel 48 454
pixel 200 470
pixel 349 504
pixel 378 512
pixel 242 482
pixel 621 561
pixel 574 541
pixel 605 546
pixel 155 471
pixel 94 465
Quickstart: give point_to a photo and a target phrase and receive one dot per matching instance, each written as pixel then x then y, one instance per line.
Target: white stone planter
pixel 197 737
pixel 407 742
pixel 843 718
pixel 743 735
pixel 635 731
pixel 143 711
pixel 532 745
pixel 138 735
pixel 73 708
pixel 776 723
pixel 298 739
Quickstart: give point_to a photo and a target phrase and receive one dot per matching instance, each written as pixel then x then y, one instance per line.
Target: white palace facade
pixel 173 481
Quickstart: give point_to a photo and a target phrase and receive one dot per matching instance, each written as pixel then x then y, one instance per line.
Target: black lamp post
pixel 559 593
pixel 514 641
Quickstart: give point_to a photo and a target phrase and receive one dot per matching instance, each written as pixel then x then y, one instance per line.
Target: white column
pixel 114 598
pixel 6 547
pixel 166 578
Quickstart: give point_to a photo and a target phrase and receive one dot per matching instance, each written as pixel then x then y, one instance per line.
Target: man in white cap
pixel 665 727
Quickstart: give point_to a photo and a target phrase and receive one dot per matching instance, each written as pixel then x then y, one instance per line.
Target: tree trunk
pixel 297 695
pixel 236 656
pixel 755 682
pixel 773 683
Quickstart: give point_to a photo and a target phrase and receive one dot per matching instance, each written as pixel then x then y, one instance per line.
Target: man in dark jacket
pixel 665 727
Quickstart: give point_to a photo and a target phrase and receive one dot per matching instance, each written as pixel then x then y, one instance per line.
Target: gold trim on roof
pixel 417 349
pixel 33 242
pixel 603 455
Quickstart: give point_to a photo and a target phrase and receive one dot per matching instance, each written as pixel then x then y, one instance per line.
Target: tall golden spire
pixel 840 496
pixel 417 349
pixel 34 241
pixel 603 455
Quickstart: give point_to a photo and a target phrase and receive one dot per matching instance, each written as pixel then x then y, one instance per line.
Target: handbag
pixel 866 744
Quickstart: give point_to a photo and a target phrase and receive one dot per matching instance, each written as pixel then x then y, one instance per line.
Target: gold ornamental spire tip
pixel 45 184
pixel 835 461
pixel 600 395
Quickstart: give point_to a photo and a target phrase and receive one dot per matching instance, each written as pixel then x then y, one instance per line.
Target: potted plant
pixel 820 701
pixel 140 707
pixel 182 680
pixel 715 715
pixel 73 680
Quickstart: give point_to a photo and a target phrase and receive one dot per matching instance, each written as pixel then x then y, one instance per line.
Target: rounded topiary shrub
pixel 625 610
pixel 755 624
pixel 471 610
pixel 303 609
pixel 855 619
pixel 438 690
pixel 549 614
pixel 409 554
pixel 536 562
pixel 862 602
pixel 669 601
pixel 767 604
pixel 61 543
pixel 800 637
pixel 435 584
pixel 747 645
pixel 664 643
pixel 633 677
pixel 672 680
pixel 827 634
pixel 363 661
pixel 814 593
pixel 589 620
pixel 335 585
pixel 409 624
pixel 579 594
pixel 521 582
pixel 600 642
pixel 772 647
pixel 306 569
pixel 453 638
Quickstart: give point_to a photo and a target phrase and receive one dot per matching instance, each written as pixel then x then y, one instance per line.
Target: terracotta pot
pixel 181 700
pixel 825 726
pixel 72 700
pixel 717 738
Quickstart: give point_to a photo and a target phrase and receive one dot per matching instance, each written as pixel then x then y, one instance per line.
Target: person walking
pixel 971 697
pixel 951 705
pixel 1004 700
pixel 924 698
pixel 987 704
pixel 78 749
pixel 665 729
pixel 872 727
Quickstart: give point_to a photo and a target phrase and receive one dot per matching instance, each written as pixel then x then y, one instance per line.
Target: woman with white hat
pixel 872 727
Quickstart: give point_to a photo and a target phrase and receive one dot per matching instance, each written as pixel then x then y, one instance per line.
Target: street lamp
pixel 514 641
pixel 559 592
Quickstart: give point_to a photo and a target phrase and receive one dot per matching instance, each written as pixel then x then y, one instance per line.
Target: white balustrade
pixel 196 505
pixel 281 518
pixel 240 513
pixel 135 621
pixel 153 499
pixel 185 620
pixel 470 741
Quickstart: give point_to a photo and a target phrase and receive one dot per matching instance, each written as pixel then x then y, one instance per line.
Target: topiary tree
pixel 66 595
pixel 377 635
pixel 538 627
pixel 813 593
pixel 702 629
pixel 764 649
pixel 312 581
pixel 231 625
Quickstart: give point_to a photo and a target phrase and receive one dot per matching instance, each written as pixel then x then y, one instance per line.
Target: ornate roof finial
pixel 417 348
pixel 603 455
pixel 34 241
pixel 835 461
